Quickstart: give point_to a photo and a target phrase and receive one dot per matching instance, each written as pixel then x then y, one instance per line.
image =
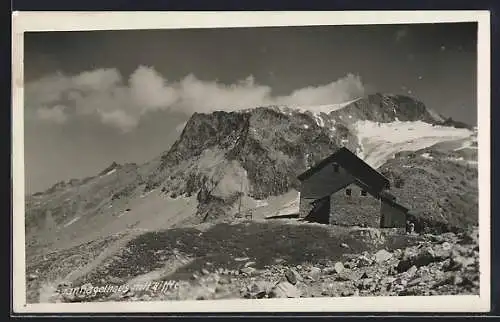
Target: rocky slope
pixel 439 185
pixel 384 264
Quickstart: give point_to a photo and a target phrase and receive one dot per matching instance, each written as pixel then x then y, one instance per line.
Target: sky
pixel 95 97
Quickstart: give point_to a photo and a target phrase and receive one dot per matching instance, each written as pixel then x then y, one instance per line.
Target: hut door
pixel 320 212
pixel 385 216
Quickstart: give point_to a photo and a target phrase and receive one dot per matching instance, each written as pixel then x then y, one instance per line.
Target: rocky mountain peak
pixel 204 131
pixel 269 146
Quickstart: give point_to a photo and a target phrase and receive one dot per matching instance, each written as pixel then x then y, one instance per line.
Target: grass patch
pixel 219 246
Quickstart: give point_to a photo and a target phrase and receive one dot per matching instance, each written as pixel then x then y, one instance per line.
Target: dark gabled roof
pixel 354 165
pixel 387 195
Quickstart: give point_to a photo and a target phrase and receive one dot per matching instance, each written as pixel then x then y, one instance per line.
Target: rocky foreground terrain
pixel 176 227
pixel 445 264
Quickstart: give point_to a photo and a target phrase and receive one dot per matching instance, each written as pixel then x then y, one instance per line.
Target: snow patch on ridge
pixel 319 120
pixel 380 141
pixel 461 159
pixel 109 172
pixel 427 156
pixel 326 108
pixel 71 222
pixel 316 110
pixel 319 113
pixel 180 127
pixel 435 115
pixel 468 144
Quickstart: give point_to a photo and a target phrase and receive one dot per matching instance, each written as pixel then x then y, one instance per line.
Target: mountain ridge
pixel 254 154
pixel 431 117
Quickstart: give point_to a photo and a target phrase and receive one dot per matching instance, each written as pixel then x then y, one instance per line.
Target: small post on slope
pixel 239 214
pixel 241 194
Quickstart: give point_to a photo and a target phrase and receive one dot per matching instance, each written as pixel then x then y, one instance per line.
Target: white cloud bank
pixel 119 103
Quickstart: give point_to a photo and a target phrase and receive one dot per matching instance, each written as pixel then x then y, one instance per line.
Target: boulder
pixel 292 276
pixel 32 277
pixel 382 256
pixel 145 298
pixel 458 262
pixel 248 264
pixel 368 284
pixel 338 267
pixel 314 273
pixel 258 289
pixel 422 258
pixel 393 270
pixel 348 292
pixel 446 245
pixel 450 237
pixel 329 270
pixel 65 284
pixel 224 280
pixel 462 250
pixel 343 277
pixel 398 253
pixel 285 290
pixel 116 280
pixel 71 297
pixel 363 261
pixel 443 251
pixel 412 271
pixel 349 275
pixel 425 257
pixel 414 282
pixel 471 237
pixel 247 270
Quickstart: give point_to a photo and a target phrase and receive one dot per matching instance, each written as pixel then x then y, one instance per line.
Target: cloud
pixel 120 119
pixel 149 89
pixel 46 90
pixel 104 94
pixel 99 80
pixel 53 114
pixel 339 91
pixel 207 96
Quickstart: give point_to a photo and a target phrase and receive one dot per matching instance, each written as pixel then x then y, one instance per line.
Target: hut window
pixel 335 167
pixel 348 192
pixel 363 193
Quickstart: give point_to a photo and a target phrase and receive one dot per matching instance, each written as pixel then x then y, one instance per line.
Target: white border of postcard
pixel 64 21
